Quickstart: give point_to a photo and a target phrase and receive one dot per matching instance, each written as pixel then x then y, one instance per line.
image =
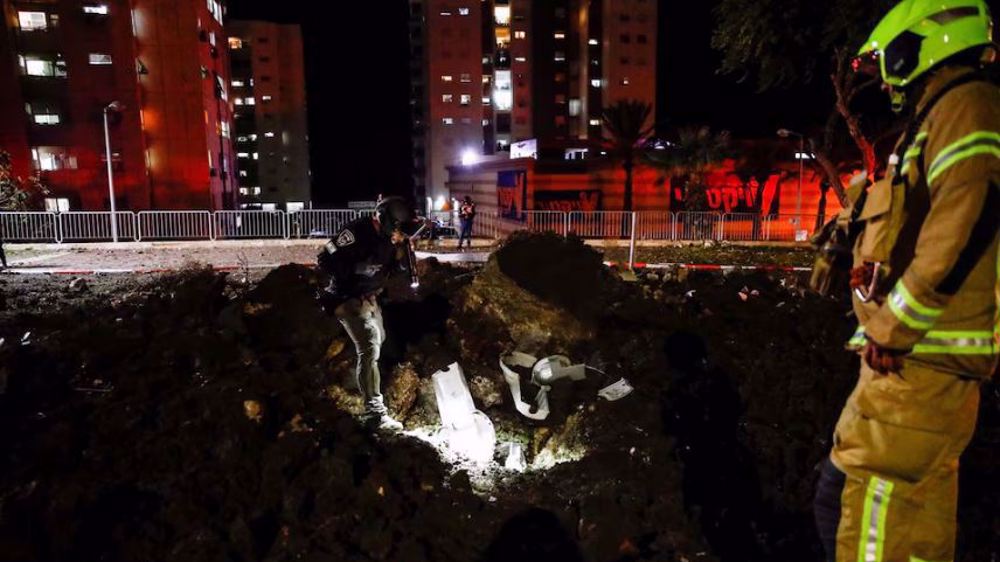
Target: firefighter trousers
pixel 889 491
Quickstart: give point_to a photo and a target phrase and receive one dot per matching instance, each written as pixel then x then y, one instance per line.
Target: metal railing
pixel 175 225
pixel 318 223
pixel 601 225
pixel 249 224
pixel 92 226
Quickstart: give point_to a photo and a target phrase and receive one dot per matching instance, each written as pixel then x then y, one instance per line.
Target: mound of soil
pixel 194 418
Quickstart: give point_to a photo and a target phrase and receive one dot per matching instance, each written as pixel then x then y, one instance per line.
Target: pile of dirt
pixel 191 417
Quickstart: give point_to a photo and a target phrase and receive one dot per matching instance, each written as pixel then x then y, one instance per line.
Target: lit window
pixel 32 21
pixel 595 122
pixel 463 11
pixel 237 101
pixel 446 78
pixel 100 59
pixel 243 190
pixel 486 78
pixel 593 42
pixel 465 99
pixel 49 158
pixel 225 130
pixel 235 43
pixel 447 98
pixel 466 77
pixel 243 174
pixel 503 95
pixel 96 9
pixel 501 14
pixel 46 118
pixel 520 35
pixel 448 121
pixel 575 106
pixel 269 135
pixel 595 83
pixel 520 59
pixel 559 35
pixel 625 82
pixel 215 8
pixel 237 83
pixel 486 100
pixel 256 191
pixel 250 101
pixel 36 66
pixel 256 156
pixel 211 38
pixel 243 155
pixel 265 98
pixel 486 122
pixel 56 205
pixel 445 12
pixel 252 137
pixel 560 56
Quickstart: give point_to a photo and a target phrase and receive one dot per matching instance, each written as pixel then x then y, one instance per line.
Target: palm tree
pixel 626 124
pixel 690 159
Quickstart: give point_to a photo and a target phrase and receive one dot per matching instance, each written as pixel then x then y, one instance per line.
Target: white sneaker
pixel 379 421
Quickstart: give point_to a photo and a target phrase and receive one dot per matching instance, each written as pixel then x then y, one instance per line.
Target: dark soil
pixel 129 423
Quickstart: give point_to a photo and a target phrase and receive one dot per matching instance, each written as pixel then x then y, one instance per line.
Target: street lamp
pixel 113 106
pixel 785 133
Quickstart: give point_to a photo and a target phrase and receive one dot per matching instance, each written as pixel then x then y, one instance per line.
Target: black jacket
pixel 359 260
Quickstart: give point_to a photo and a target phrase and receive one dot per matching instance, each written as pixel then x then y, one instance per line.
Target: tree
pixel 626 123
pixel 16 193
pixel 689 160
pixel 788 42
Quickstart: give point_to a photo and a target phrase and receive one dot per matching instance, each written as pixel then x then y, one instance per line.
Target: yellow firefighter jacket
pixel 932 224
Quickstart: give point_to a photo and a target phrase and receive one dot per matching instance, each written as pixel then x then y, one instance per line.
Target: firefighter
pixel 925 292
pixel 359 261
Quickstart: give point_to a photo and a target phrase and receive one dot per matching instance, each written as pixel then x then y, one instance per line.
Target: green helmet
pixel 916 35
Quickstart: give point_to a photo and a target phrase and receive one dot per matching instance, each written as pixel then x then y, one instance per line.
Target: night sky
pixel 357 72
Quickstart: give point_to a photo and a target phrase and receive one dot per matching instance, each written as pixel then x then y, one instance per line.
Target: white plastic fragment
pixel 466 432
pixel 616 390
pixel 515 457
pixel 518 359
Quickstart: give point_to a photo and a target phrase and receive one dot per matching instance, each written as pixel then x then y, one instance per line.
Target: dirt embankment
pixel 197 417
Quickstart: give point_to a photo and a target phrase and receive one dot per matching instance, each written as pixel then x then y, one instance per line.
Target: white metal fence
pixel 95 226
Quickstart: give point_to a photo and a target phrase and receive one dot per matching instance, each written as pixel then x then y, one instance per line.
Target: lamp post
pixel 113 106
pixel 785 133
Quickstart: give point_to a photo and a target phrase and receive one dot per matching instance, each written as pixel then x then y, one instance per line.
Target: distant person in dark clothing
pixel 466 215
pixel 3 255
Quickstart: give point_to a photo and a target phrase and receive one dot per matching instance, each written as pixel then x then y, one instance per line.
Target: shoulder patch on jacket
pixel 345 238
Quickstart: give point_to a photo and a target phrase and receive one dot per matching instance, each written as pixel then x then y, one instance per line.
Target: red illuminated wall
pixel 170 121
pixel 651 189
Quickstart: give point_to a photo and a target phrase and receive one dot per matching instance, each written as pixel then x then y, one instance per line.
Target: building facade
pixel 489 74
pixel 269 103
pixel 64 63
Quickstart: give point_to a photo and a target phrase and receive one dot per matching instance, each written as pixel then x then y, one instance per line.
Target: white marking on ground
pixel 35 259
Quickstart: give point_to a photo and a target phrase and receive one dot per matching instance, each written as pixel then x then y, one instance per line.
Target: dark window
pixel 640 39
pixel 624 60
pixel 625 39
pixel 264 59
pixel 624 18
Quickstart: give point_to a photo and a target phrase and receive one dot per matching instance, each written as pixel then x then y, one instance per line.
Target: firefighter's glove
pixel 861 276
pixel 883 360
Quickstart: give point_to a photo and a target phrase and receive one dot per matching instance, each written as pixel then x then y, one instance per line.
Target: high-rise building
pixel 64 62
pixel 492 73
pixel 269 97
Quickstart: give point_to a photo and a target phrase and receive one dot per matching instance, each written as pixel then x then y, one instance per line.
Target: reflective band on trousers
pixel 980 142
pixel 872 541
pixel 945 342
pixel 909 310
pixel 915 559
